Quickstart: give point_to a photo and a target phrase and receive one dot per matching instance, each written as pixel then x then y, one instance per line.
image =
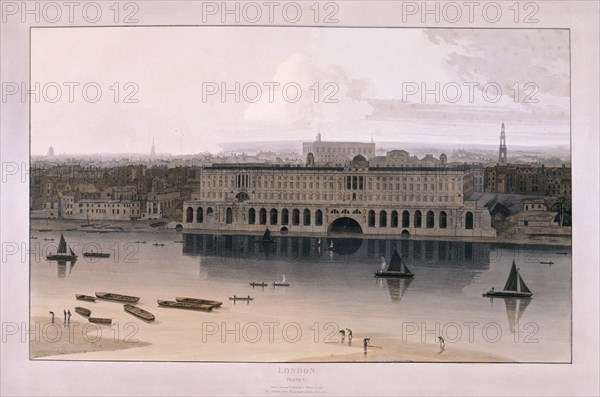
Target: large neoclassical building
pixel 357 198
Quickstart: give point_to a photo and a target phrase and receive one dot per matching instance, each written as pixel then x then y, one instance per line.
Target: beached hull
pixel 138 312
pixel 96 255
pixel 182 305
pixel 83 311
pixel 98 320
pixel 508 294
pixel 117 297
pixel 87 298
pixel 394 274
pixel 199 301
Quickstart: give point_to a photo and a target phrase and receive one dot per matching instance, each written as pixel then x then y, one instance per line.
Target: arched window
pixel 469 220
pixel 319 218
pixel 371 218
pixel 405 218
pixel 189 216
pixel 209 211
pixel 430 222
pixel 296 216
pixel 262 216
pixel 200 215
pixel 417 218
pixel 443 220
pixel 228 216
pixel 394 222
pixel 273 216
pixel 285 216
pixel 251 216
pixel 307 217
pixel 382 219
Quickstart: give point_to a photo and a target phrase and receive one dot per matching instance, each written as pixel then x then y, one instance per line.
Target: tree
pixel 562 205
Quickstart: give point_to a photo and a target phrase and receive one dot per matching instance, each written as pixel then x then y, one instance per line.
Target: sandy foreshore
pixel 385 349
pixel 54 339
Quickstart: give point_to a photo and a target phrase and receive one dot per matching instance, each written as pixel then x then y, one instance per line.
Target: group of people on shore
pixel 67 316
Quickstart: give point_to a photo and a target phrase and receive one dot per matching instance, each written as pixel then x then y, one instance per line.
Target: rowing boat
pixel 259 284
pixel 184 305
pixel 117 297
pixel 240 298
pixel 83 311
pixel 278 284
pixel 96 255
pixel 99 320
pixel 139 312
pixel 199 301
pixel 82 297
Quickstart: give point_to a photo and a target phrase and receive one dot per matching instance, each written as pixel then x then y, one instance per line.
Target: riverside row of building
pixel 418 201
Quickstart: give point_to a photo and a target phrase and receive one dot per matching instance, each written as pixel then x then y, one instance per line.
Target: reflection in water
pixel 429 260
pixel 515 308
pixel 396 286
pixel 61 267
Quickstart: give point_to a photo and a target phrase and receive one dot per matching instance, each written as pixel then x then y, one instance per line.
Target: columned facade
pixel 313 200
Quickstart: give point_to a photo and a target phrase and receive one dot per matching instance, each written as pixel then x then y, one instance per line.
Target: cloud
pixel 329 99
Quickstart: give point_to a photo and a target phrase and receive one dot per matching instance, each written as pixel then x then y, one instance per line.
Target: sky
pixel 347 83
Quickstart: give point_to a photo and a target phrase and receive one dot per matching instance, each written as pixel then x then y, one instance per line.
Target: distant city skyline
pixel 372 72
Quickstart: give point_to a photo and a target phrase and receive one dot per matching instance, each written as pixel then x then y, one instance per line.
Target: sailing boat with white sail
pixel 515 287
pixel 396 268
pixel 61 253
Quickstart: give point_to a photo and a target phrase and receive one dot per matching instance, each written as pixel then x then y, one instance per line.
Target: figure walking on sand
pixel 343 334
pixel 65 315
pixel 442 342
pixel 349 333
pixel 366 343
pixel 69 316
pixel 52 314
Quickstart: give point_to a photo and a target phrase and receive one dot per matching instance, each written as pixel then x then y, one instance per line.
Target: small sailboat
pixel 281 283
pixel 515 287
pixel 266 238
pixel 61 253
pixel 396 268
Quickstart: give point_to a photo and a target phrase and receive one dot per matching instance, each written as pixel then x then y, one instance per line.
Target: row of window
pixel 305 218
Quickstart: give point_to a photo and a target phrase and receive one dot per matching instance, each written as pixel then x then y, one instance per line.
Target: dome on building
pixel 359 161
pixel 443 158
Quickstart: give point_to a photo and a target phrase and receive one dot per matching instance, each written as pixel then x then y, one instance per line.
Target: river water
pixel 327 286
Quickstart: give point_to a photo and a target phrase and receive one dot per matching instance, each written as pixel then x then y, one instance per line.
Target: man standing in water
pixel 366 343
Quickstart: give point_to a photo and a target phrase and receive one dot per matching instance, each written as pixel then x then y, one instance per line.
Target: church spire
pixel 502 151
pixel 152 150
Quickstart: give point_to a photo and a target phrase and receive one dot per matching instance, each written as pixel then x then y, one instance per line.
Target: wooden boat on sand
pixel 139 312
pixel 117 297
pixel 184 305
pixel 199 301
pixel 83 311
pixel 87 298
pixel 99 320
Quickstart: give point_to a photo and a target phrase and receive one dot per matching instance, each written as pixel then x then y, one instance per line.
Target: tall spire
pixel 152 150
pixel 502 152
